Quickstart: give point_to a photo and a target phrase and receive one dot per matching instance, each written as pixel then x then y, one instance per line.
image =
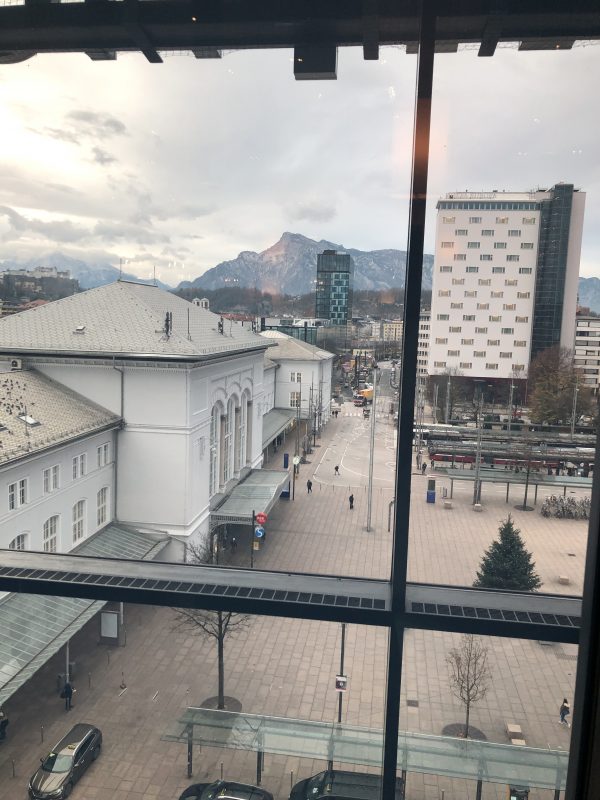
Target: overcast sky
pixel 184 164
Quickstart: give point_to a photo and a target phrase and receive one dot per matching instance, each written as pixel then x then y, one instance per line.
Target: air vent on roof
pixel 16 363
pixel 79 329
pixel 31 421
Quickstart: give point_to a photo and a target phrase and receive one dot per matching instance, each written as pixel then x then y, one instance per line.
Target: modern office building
pixel 335 274
pixel 587 350
pixel 423 345
pixel 505 279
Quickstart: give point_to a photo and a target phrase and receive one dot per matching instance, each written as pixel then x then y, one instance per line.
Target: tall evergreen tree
pixel 506 564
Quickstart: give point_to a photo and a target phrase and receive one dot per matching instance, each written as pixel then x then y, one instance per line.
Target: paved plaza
pixel 287 667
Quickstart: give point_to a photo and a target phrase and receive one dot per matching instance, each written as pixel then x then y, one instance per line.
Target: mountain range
pixel 288 267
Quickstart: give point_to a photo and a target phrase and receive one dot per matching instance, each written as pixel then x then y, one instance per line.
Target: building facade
pixel 423 342
pixel 505 279
pixel 587 350
pixel 335 275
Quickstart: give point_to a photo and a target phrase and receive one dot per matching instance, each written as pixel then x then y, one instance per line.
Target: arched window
pixel 78 520
pixel 241 447
pixel 102 506
pixel 228 441
pixel 215 429
pixel 50 534
pixel 19 542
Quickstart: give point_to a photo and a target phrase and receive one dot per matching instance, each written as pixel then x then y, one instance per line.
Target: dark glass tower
pixel 335 274
pixel 553 248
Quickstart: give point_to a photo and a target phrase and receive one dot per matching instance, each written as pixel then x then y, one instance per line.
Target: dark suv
pixel 66 763
pixel 225 790
pixel 338 783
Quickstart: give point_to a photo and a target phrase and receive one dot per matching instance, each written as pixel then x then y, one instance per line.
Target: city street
pixel 287 667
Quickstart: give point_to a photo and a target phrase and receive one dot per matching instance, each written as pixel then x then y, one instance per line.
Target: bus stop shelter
pixel 510 478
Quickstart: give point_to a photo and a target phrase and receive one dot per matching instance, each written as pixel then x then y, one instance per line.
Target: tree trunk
pixel 221 701
pixel 468 707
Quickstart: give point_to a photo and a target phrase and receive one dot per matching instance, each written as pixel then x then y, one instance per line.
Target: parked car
pixel 339 783
pixel 226 789
pixel 66 763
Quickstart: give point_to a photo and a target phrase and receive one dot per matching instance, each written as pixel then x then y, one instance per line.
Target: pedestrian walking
pixel 351 501
pixel 564 712
pixel 309 486
pixel 336 470
pixel 67 693
pixel 424 467
pixel 233 544
pixel 432 464
pixel 4 722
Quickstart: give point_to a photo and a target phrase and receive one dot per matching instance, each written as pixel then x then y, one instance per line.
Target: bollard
pixel 108 657
pixel 89 680
pixel 221 770
pixel 123 684
pixel 41 733
pixel 291 780
pixel 13 768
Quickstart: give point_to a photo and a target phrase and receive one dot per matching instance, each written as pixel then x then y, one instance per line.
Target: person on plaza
pixel 233 544
pixel 309 486
pixel 565 710
pixel 67 693
pixel 424 467
pixel 336 470
pixel 432 464
pixel 351 501
pixel 3 725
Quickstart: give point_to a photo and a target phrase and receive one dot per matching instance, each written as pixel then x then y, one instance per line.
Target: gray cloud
pixel 58 231
pixel 102 157
pixel 97 124
pixel 311 211
pixel 62 134
pixel 121 232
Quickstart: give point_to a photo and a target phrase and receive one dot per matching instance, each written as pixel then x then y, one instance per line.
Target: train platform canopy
pixel 258 492
pixel 33 628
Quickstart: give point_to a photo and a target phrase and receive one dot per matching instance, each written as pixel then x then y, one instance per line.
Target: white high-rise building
pixel 505 279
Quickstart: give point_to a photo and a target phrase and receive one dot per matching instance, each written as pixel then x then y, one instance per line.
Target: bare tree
pixel 469 673
pixel 217 625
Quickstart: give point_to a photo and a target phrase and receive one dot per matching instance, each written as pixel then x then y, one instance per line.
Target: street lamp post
pixel 371 451
pixel 574 409
pixel 477 482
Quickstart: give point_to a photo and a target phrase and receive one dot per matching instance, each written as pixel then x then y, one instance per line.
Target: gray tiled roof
pixel 123 318
pixel 289 347
pixel 61 413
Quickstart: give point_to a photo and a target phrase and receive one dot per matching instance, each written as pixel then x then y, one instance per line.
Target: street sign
pixel 260 518
pixel 341 683
pixel 296 460
pixel 259 532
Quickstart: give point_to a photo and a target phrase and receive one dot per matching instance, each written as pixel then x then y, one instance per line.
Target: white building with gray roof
pixel 187 385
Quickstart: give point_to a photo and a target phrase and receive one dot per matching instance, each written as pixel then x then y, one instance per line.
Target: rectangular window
pixel 511 282
pixel 518 367
pixel 485 257
pixel 507 330
pixel 472 293
pixel 473 245
pixel 487 232
pixel 456 305
pixel 439 364
pixel 461 232
pixel 467 341
pixel 442 269
pixel 474 220
pixel 484 281
pixel 509 306
pixel 294 399
pixel 520 343
pixel 523 295
pixel 472 269
pixel 515 233
pixel 458 281
pixel 505 355
pixel 454 353
pixel 12 496
pixel 51 479
pixel 521 319
pixel 460 256
pixel 447 245
pixel 469 317
pixel 525 270
pixel 465 365
pixel 78 520
pixel 513 258
pixel 501 220
pixel 479 353
pixel 444 293
pixel 440 340
pixel 443 317
pixel 499 245
pixel 481 330
pixel 493 318
pixel 491 366
pixel 102 455
pixel 497 294
pixel 455 328
pixel 493 342
pixel 449 220
pixel 483 306
pixel 528 220
pixel 22 491
pixel 526 245
pixel 498 270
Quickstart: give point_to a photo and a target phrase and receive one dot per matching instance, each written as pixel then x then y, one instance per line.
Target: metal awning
pixel 34 627
pixel 275 422
pixel 258 492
